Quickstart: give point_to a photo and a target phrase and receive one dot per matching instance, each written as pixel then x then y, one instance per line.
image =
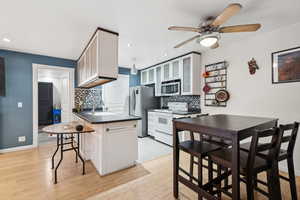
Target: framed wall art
pixel 286 66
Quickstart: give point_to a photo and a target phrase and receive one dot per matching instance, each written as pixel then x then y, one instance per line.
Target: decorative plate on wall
pixel 222 96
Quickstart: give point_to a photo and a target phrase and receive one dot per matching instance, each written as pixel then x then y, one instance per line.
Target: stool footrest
pixel 70 149
pixel 186 173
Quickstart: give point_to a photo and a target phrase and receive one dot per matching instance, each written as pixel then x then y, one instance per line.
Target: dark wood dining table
pixel 230 127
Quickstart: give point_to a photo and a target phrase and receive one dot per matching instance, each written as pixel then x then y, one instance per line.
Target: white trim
pixel 20 148
pixel 35 68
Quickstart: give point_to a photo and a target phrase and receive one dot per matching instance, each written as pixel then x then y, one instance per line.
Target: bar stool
pixel 284 155
pixel 223 144
pixel 199 149
pixel 251 163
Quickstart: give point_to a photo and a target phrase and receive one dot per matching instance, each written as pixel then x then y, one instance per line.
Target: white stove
pixel 160 121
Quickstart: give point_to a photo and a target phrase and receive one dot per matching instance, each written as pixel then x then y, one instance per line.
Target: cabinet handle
pixel 163 132
pixel 119 128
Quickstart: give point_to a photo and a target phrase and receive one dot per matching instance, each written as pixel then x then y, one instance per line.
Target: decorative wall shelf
pixel 216 80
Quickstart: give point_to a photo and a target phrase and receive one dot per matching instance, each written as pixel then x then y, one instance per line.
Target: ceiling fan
pixel 209 31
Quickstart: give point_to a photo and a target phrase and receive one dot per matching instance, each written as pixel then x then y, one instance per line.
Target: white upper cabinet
pixel 186 68
pixel 144 77
pixel 151 75
pixel 80 66
pixel 93 57
pixel 175 69
pixel 148 76
pixel 98 63
pixel 191 74
pixel 166 72
pixel 158 73
pixel 186 76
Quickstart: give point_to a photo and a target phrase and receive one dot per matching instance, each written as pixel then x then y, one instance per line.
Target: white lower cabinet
pixel 151 123
pixel 95 146
pixel 119 147
pixel 164 137
pixel 112 147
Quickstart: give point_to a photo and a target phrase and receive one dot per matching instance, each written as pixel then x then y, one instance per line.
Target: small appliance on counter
pixel 142 99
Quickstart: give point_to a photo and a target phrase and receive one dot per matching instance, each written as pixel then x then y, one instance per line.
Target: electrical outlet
pixel 22 138
pixel 20 104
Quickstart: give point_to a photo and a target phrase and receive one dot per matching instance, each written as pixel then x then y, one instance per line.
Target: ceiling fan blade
pixel 187 41
pixel 240 28
pixel 183 28
pixel 227 13
pixel 216 45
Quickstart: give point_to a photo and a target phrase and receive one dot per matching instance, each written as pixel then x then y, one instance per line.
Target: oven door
pixel 163 130
pixel 165 123
pixel 170 89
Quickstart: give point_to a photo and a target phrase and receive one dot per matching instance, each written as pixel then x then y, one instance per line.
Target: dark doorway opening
pixel 45 107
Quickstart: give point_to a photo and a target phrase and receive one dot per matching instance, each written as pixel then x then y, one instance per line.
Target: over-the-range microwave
pixel 170 88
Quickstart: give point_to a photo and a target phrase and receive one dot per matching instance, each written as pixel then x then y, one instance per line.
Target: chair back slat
pixel 286 139
pixel 192 136
pixel 270 146
pixel 265 147
pixel 291 140
pixel 215 140
pixel 266 133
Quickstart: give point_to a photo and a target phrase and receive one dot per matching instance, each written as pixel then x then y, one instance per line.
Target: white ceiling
pixel 62 28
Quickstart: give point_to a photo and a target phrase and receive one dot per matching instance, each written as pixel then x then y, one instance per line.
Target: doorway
pixel 45 90
pixel 53 99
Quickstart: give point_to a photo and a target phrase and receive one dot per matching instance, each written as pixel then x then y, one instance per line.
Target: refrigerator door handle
pixel 134 102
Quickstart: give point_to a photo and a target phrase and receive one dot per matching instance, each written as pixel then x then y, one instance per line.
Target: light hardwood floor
pixel 26 175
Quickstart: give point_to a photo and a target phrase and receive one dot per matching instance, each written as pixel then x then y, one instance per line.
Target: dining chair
pixel 200 150
pixel 251 163
pixel 290 132
pixel 221 143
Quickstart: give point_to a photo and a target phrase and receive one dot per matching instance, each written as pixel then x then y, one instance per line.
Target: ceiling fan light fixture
pixel 209 41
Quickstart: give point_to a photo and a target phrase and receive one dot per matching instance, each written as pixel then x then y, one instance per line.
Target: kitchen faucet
pixel 102 104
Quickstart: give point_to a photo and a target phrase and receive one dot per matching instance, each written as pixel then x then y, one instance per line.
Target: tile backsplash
pixel 192 100
pixel 89 97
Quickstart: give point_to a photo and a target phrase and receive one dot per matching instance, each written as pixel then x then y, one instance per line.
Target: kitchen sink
pixel 101 113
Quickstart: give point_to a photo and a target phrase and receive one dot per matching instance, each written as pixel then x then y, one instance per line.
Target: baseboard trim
pixel 20 148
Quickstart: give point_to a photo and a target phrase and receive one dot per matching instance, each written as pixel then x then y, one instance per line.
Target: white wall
pixel 255 94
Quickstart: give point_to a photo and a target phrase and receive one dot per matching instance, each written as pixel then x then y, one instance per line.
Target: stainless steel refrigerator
pixel 142 99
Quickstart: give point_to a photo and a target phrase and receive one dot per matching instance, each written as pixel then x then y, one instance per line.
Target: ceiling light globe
pixel 208 41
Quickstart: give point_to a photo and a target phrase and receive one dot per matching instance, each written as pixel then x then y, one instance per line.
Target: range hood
pixel 98 64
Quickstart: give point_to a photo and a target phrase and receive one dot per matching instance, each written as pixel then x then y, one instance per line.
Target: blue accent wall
pixel 15 121
pixel 134 80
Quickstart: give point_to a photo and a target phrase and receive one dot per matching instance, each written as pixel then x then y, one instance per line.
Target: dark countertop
pixel 189 112
pixel 101 119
